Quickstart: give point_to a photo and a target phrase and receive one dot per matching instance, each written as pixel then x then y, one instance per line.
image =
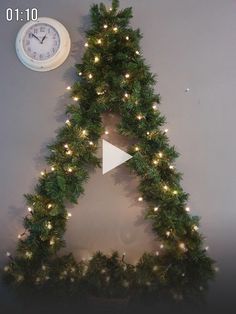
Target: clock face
pixel 41 41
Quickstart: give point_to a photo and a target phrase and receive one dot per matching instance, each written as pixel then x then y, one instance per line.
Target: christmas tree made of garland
pixel 112 77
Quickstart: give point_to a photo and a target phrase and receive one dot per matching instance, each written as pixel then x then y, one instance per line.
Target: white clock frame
pixel 53 62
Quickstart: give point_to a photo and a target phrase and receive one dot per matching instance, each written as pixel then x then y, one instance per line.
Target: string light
pixel 105 26
pixel 28 254
pixel 165 187
pixel 148 133
pixel 140 199
pixel 8 254
pixel 157 253
pixel 154 107
pixel 136 148
pixel 86 44
pixel 139 117
pixel 49 225
pixel 69 152
pixel 99 41
pixel 207 248
pixel 162 246
pixel 68 88
pixel 84 132
pixel 43 267
pixel 96 59
pixel 187 209
pixel 68 122
pixel 126 95
pixel 127 75
pixel 90 76
pixel 195 228
pixel 19 236
pixel 171 167
pixel 175 192
pixel 182 246
pixel 80 73
pixel 106 132
pixel 30 209
pixel 110 9
pixel 91 143
pixel 53 168
pixel 167 233
pixel 137 52
pixel 166 130
pixel 155 268
pixel 156 209
pixel 52 242
pixel 115 29
pixel 160 155
pixel 75 98
pixel 70 169
pixel 69 215
pixel 66 146
pixel 42 173
pixel 49 206
pixel 155 162
pixel 127 37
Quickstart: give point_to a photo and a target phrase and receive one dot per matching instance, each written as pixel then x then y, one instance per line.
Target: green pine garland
pixel 113 77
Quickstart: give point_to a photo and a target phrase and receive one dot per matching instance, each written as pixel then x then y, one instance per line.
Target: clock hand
pixel 43 39
pixel 35 37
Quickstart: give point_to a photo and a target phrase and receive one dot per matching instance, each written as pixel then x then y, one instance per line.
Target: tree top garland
pixel 112 77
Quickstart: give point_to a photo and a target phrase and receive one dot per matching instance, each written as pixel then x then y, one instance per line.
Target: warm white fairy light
pixel 105 26
pixel 90 76
pixel 43 267
pixel 171 167
pixel 165 187
pixel 127 75
pixel 155 268
pixel 160 155
pixel 30 209
pixel 182 246
pixel 52 242
pixel 175 192
pixel 106 132
pixel 156 209
pixel 69 152
pixel 68 122
pixel 195 228
pixel 166 130
pixel 86 44
pixel 19 236
pixel 69 215
pixel 96 59
pixel 187 209
pixel 66 146
pixel 90 143
pixel 137 148
pixel 127 37
pixel 80 73
pixel 148 133
pixel 99 41
pixel 157 253
pixel 139 117
pixel 49 206
pixel 126 95
pixel 140 199
pixel 137 52
pixel 84 132
pixel 53 168
pixel 42 173
pixel 49 225
pixel 154 107
pixel 207 248
pixel 28 254
pixel 75 98
pixel 68 88
pixel 70 169
pixel 162 246
pixel 167 233
pixel 115 29
pixel 8 254
pixel 155 162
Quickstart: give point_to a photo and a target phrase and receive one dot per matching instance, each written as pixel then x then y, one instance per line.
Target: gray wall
pixel 189 44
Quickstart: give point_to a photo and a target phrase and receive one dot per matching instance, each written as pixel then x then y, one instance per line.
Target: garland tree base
pixel 113 77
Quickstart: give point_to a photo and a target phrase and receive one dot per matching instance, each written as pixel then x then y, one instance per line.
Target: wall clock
pixel 43 45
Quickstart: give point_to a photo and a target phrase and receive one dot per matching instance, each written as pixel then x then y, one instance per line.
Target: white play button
pixel 112 156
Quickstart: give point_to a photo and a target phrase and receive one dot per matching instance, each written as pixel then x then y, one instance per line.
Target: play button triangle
pixel 112 156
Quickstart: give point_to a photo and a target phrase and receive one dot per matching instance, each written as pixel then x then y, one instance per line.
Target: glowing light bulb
pixel 106 132
pixel 139 117
pixel 195 228
pixel 155 268
pixel 52 242
pixel 207 248
pixel 171 167
pixel 30 209
pixel 140 199
pixel 148 133
pixel 80 73
pixel 165 187
pixel 49 206
pixel 105 26
pixel 160 155
pixel 28 254
pixel 69 215
pixel 8 254
pixel 19 236
pixel 187 209
pixel 68 88
pixel 167 233
pixel 84 132
pixel 136 148
pixel 75 98
pixel 69 152
pixel 156 209
pixel 66 146
pixel 49 226
pixel 70 169
pixel 175 192
pixel 137 52
pixel 155 162
pixel 110 9
pixel 182 246
pixel 86 44
pixel 127 37
pixel 166 130
pixel 91 143
pixel 127 75
pixel 154 107
pixel 126 95
pixel 53 168
pixel 43 267
pixel 42 173
pixel 115 29
pixel 162 246
pixel 68 122
pixel 99 41
pixel 157 253
pixel 90 76
pixel 96 59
